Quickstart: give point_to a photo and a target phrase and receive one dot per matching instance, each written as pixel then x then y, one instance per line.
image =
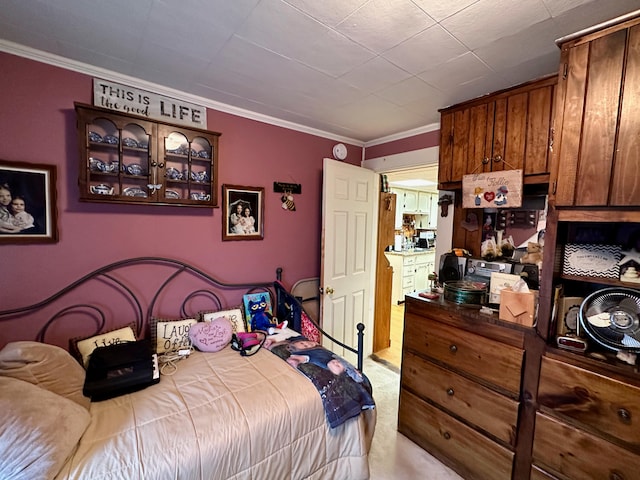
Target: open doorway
pixel 412 255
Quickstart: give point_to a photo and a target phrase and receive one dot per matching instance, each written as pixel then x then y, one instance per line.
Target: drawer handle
pixel 624 415
pixel 446 435
pixel 453 348
pixel 450 392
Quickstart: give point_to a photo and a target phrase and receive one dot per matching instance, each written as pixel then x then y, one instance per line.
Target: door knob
pixel 327 290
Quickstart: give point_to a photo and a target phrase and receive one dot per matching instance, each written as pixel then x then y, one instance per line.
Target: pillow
pixel 170 335
pixel 211 336
pixel 84 346
pixel 40 430
pixel 234 316
pixel 46 366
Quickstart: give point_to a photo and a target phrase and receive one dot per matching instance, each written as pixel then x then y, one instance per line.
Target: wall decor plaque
pixel 501 189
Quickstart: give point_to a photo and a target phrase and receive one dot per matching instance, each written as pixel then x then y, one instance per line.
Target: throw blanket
pixel 344 390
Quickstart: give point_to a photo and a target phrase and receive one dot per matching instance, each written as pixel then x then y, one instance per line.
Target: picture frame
pixel 28 210
pixel 238 223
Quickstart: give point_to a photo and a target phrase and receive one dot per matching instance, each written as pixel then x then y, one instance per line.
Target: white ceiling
pixel 359 70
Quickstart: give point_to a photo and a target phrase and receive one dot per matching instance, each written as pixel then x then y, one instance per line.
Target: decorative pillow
pixel 46 366
pixel 211 336
pixel 169 335
pixel 234 316
pixel 39 430
pixel 84 346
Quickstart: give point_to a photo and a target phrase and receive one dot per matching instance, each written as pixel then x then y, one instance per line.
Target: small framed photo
pixel 242 213
pixel 27 203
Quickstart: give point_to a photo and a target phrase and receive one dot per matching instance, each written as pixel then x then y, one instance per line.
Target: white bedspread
pixel 222 416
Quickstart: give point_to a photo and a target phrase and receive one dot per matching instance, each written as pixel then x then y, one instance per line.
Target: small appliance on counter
pixel 452 267
pixel 479 270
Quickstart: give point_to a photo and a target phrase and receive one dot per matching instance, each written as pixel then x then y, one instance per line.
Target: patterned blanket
pixel 344 390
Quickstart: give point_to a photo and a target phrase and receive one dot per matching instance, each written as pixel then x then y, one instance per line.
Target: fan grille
pixel 611 317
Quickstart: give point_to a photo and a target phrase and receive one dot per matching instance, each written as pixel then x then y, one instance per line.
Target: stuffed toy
pixel 261 319
pixel 533 255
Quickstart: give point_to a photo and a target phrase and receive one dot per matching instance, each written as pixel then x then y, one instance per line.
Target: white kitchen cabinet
pixel 433 212
pixel 424 202
pixel 399 207
pixel 410 273
pixel 410 201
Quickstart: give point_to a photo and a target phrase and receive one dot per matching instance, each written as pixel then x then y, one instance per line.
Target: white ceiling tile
pixel 342 66
pixel 516 49
pixel 382 24
pixel 374 75
pixel 489 20
pixel 273 24
pixel 455 72
pixel 439 10
pixel 428 48
pixel 557 7
pixel 329 12
pixel 410 90
pixel 333 53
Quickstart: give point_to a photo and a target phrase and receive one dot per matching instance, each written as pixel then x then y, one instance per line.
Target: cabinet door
pixel 596 160
pixel 454 128
pixel 411 201
pixel 424 202
pixel 115 157
pixel 186 166
pixel 433 212
pixel 422 277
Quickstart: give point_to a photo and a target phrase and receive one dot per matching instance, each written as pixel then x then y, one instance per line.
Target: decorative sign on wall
pixel 147 104
pixel 492 190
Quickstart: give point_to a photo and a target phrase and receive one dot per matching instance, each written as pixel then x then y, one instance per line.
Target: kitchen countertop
pixel 413 251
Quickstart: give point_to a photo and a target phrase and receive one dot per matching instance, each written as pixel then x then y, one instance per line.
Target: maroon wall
pixel 37 125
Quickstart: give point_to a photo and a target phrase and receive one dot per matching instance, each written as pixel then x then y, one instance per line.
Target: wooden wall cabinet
pixel 506 130
pixel 597 119
pixel 130 159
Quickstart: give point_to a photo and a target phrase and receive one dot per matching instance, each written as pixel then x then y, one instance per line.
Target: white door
pixel 347 275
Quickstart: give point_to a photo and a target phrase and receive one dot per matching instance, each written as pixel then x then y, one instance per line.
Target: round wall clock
pixel 339 151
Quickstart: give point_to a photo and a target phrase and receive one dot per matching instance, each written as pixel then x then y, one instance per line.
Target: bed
pixel 220 415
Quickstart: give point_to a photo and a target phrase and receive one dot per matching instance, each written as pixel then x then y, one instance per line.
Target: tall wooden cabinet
pixel 597 121
pixel 506 130
pixel 577 413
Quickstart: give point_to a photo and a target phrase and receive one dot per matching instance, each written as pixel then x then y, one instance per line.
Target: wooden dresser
pixel 461 388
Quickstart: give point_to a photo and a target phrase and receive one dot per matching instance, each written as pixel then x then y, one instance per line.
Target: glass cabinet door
pixel 117 153
pixel 187 159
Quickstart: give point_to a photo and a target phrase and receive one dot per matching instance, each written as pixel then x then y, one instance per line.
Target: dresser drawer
pixel 573 453
pixel 539 474
pixel 441 434
pixel 599 402
pixel 407 282
pixel 480 406
pixel 409 261
pixel 466 352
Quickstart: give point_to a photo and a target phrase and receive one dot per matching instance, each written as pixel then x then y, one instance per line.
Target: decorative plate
pixel 173 174
pixel 134 169
pixel 200 176
pixel 194 175
pixel 134 192
pixel 203 154
pixel 110 139
pixel 144 145
pixel 95 137
pixel 130 142
pixel 171 194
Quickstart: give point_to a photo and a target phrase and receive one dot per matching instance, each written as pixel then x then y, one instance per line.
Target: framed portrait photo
pixel 242 213
pixel 28 212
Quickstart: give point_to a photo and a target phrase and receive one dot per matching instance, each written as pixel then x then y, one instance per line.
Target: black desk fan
pixel 611 317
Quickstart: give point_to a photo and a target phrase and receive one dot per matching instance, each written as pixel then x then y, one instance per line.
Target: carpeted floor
pixel 393 456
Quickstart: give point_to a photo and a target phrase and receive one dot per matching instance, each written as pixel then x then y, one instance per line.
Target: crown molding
pixel 402 135
pixel 93 71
